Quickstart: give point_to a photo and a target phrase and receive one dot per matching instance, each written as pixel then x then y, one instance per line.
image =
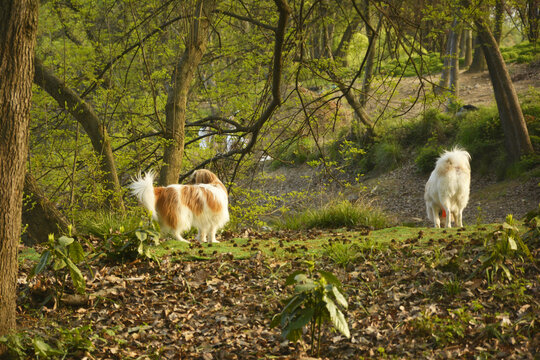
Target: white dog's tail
pixel 143 189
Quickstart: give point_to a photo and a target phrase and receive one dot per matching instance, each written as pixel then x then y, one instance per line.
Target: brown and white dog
pixel 202 203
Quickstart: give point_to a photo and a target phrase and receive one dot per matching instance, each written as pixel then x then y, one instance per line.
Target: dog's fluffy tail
pixel 143 189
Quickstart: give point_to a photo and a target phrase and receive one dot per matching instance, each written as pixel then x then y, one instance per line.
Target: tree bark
pixel 499 18
pixel 18 29
pixel 370 56
pixel 478 63
pixel 39 214
pixel 85 115
pixel 533 19
pixel 454 64
pixel 517 140
pixel 468 48
pixel 175 109
pixel 450 53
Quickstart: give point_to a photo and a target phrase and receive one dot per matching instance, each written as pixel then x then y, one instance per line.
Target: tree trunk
pixel 468 47
pixel 175 109
pixel 533 17
pixel 39 214
pixel 517 140
pixel 368 71
pixel 454 64
pixel 449 54
pixel 499 18
pixel 85 115
pixel 18 29
pixel 478 61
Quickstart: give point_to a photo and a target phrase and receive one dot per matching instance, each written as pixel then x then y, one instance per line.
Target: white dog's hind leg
pixel 459 218
pixel 448 211
pixel 435 217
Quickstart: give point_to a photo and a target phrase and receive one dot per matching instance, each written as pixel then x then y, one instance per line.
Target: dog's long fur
pixel 203 203
pixel 447 190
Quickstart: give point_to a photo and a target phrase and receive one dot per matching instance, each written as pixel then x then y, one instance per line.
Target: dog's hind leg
pixel 179 237
pixel 201 235
pixel 212 236
pixel 448 223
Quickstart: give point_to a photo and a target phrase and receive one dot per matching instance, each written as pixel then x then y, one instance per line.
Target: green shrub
pixel 481 134
pixel 336 215
pixel 427 156
pixel 432 125
pixel 315 301
pixel 387 155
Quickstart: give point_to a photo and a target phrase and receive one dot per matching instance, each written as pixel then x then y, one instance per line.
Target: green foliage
pixel 62 256
pixel 335 215
pixel 315 301
pixel 72 343
pixel 255 208
pixel 524 52
pixel 432 125
pixel 427 156
pixel 387 155
pixel 501 249
pixel 443 330
pixel 126 245
pixel 295 151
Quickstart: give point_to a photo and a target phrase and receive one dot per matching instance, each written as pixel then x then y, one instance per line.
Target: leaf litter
pixel 405 301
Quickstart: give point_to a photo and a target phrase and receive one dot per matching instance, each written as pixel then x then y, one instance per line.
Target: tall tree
pixel 517 140
pixel 175 109
pixel 86 116
pixel 18 29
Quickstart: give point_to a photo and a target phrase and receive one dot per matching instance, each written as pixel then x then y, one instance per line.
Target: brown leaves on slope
pixel 404 301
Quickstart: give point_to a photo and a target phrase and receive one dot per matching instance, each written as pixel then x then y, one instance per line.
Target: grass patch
pixel 337 215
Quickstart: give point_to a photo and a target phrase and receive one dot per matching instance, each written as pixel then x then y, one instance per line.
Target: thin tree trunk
pixel 368 71
pixel 85 115
pixel 468 46
pixel 175 109
pixel 18 30
pixel 517 140
pixel 478 63
pixel 450 52
pixel 454 65
pixel 499 18
pixel 533 17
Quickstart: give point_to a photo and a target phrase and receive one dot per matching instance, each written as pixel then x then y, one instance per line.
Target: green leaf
pixel 291 279
pixel 77 277
pixel 330 278
pixel 506 271
pixel 64 241
pixel 42 263
pixel 512 243
pixel 305 317
pixel 300 288
pixel 76 252
pixel 510 227
pixel 340 299
pixel 337 317
pixel 41 348
pixel 141 235
pixel 140 248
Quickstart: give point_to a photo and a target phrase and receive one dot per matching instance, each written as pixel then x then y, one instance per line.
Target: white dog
pixel 447 190
pixel 203 203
